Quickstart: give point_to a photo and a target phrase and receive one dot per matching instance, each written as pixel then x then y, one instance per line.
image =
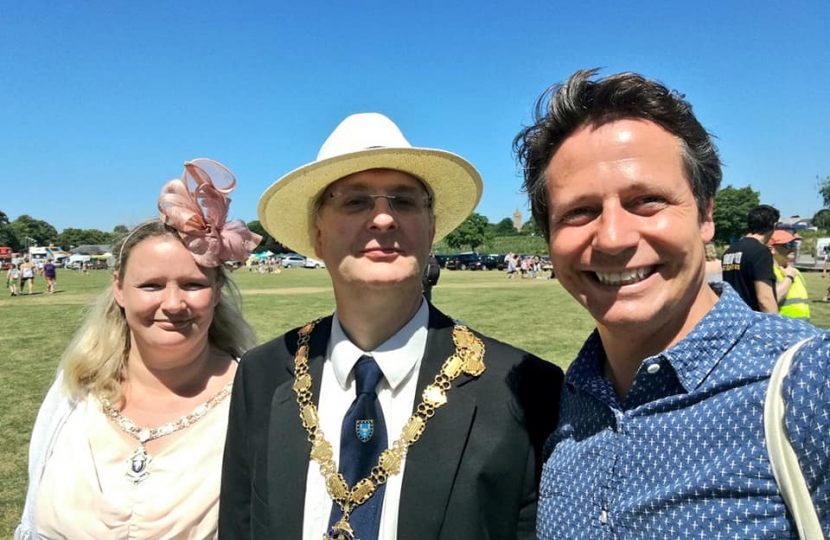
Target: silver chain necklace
pixel 139 462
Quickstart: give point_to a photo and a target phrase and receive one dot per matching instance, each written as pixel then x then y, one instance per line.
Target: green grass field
pixel 537 315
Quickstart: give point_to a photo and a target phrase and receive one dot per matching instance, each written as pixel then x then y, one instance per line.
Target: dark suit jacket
pixel 473 474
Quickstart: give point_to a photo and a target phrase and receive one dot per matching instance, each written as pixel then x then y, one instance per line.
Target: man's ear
pixel 318 242
pixel 707 224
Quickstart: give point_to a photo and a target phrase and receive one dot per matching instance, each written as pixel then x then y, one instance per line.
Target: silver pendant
pixel 138 464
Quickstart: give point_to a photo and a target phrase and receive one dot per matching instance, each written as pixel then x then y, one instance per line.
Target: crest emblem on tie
pixel 364 429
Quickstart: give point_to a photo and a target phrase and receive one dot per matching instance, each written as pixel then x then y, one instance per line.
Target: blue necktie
pixel 362 439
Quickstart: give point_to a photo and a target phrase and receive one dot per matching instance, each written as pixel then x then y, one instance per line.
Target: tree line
pixel 27 231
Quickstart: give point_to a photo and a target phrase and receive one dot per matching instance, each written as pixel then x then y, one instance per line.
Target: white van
pixel 76 261
pixel 822 248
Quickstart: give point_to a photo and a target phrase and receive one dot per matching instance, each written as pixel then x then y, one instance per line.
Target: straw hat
pixel 360 143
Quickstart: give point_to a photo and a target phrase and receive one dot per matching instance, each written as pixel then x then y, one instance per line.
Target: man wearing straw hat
pixel 386 420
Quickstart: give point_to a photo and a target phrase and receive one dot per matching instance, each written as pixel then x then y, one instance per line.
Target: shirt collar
pixel 396 357
pixel 692 358
pixel 695 356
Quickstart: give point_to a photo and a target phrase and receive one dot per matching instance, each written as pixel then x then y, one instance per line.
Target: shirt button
pixel 603 516
pixel 653 368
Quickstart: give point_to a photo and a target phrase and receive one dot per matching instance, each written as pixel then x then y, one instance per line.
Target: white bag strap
pixel 782 457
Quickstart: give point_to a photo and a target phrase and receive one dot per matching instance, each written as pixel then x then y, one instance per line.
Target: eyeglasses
pixel 788 245
pixel 356 202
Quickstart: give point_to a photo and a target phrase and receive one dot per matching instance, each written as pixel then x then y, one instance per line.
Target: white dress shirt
pixel 399 358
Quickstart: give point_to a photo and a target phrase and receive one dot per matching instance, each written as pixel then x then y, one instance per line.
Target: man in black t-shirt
pixel 747 264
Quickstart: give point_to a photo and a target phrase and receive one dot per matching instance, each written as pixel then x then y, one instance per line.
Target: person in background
pixel 790 288
pixel 510 261
pixel 714 269
pixel 532 265
pixel 27 275
pixel 322 417
pixel 432 273
pixel 13 280
pixel 128 441
pixel 747 264
pixel 661 429
pixel 50 274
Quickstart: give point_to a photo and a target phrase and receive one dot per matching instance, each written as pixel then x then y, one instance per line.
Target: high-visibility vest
pixel 796 303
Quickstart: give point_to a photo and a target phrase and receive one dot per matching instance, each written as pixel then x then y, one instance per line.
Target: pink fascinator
pixel 196 205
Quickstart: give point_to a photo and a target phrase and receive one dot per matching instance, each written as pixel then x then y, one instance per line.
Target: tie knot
pixel 367 375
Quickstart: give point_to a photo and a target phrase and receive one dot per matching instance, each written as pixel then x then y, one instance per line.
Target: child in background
pixel 13 280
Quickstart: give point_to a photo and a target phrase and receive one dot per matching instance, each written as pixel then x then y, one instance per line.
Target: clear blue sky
pixel 102 101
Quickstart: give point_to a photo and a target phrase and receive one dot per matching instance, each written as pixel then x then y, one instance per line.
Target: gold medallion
pixel 413 429
pixel 337 487
pixel 309 416
pixel 473 366
pixel 390 461
pixel 321 451
pixel 303 382
pixel 361 492
pixel 452 367
pixel 434 395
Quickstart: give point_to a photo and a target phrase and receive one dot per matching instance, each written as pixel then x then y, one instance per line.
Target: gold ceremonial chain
pixel 139 461
pixel 467 358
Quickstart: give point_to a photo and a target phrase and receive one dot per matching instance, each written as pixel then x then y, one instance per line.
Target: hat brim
pixel 286 209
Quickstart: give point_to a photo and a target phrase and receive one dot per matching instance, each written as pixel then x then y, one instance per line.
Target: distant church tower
pixel 517 220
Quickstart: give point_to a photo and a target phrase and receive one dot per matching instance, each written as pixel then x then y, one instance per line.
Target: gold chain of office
pixel 468 358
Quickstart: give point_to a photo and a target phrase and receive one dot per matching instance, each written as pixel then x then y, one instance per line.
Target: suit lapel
pixel 288 447
pixel 432 462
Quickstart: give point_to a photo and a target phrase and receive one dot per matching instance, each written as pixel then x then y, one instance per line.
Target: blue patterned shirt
pixel 683 454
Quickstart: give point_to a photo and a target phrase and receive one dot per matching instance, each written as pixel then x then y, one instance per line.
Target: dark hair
pixel 564 108
pixel 762 219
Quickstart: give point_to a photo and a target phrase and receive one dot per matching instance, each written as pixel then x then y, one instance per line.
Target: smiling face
pixel 385 245
pixel 626 239
pixel 168 299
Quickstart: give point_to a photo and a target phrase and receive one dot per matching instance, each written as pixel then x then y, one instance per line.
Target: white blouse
pixel 85 492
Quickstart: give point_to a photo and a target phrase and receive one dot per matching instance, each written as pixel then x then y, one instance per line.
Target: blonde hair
pixel 96 359
pixel 711 253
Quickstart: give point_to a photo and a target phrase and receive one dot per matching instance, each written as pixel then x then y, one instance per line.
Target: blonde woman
pixel 128 442
pixel 714 269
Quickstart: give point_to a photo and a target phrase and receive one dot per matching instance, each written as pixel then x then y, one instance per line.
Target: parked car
pixel 465 261
pixel 313 263
pixel 490 262
pixel 442 260
pixel 292 261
